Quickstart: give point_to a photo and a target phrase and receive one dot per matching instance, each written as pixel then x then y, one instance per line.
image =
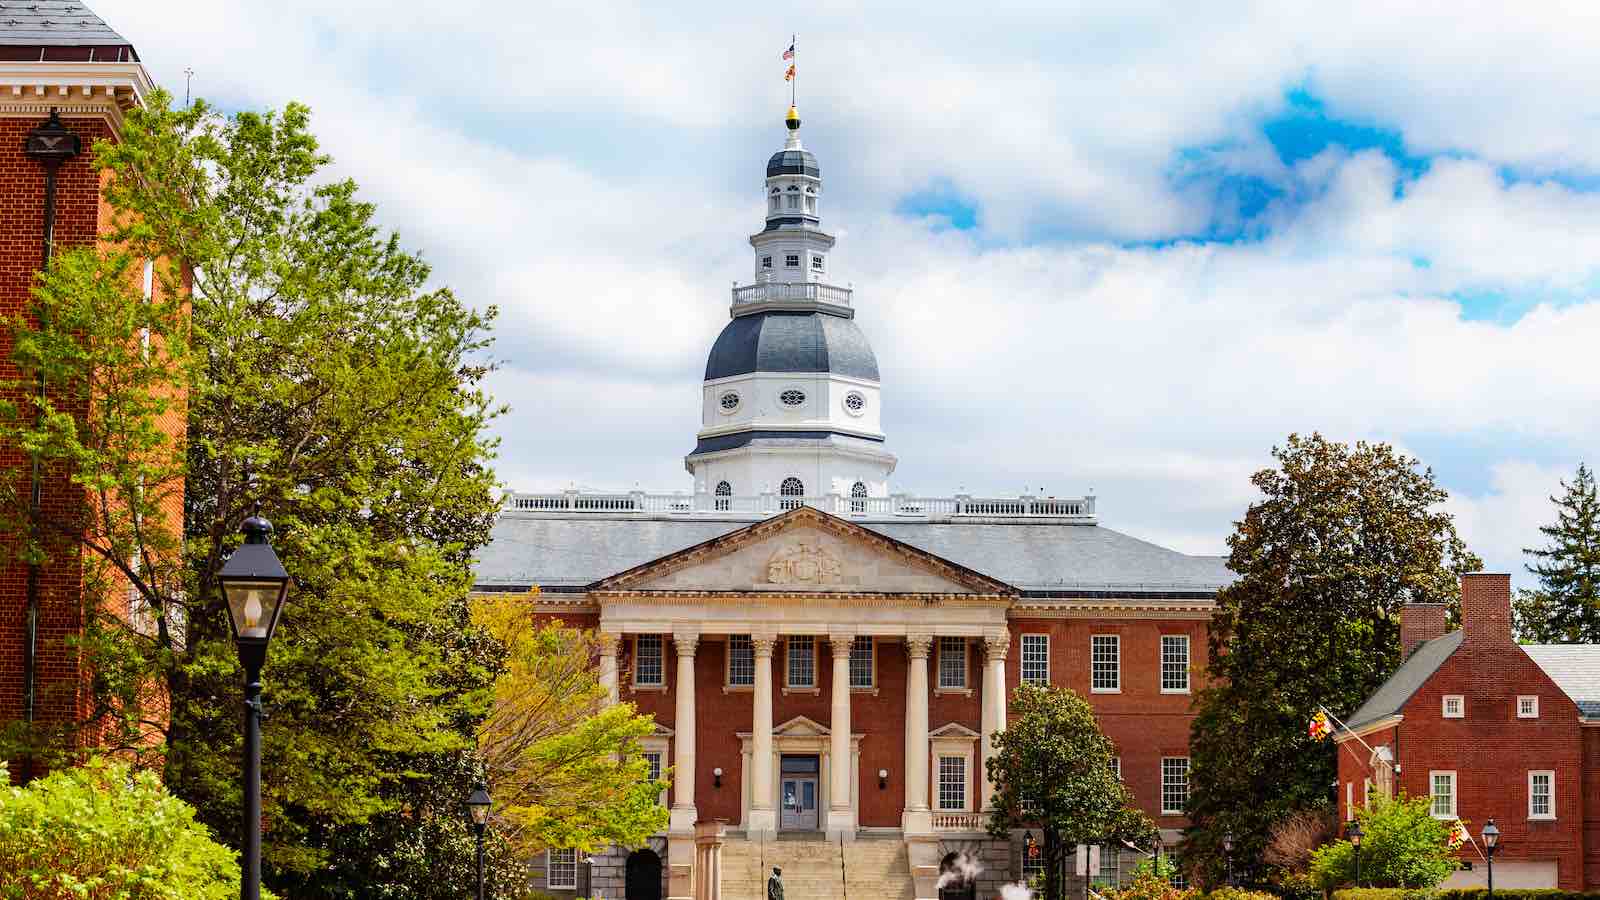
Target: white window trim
pixel 873 687
pixel 649 685
pixel 1116 767
pixel 815 687
pixel 728 686
pixel 1529 715
pixel 549 870
pixel 1550 816
pixel 661 745
pixel 1187 785
pixel 961 745
pixel 1349 801
pixel 1455 794
pixel 1366 793
pixel 1161 674
pixel 966 774
pixel 1461 706
pixel 966 667
pixel 1103 690
pixel 1022 657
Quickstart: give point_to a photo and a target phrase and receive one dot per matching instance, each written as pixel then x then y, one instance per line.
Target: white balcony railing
pixel 896 507
pixel 945 821
pixel 779 292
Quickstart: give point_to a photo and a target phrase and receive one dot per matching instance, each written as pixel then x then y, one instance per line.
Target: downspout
pixel 50 144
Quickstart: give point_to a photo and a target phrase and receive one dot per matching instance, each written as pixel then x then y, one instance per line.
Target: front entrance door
pixel 798 794
pixel 643 875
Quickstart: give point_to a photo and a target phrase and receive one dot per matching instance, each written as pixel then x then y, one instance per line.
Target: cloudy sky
pixel 1111 248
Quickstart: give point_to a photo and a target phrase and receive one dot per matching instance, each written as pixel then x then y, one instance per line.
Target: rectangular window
pixel 861 669
pixel 802 661
pixel 1349 801
pixel 1442 786
pixel 1178 880
pixel 1036 659
pixel 1110 864
pixel 1115 764
pixel 1528 707
pixel 1541 795
pixel 1032 862
pixel 1105 655
pixel 952 662
pixel 816 263
pixel 1174 664
pixel 953 783
pixel 766 262
pixel 1174 785
pixel 792 260
pixel 792 201
pixel 653 758
pixel 741 661
pixel 1455 706
pixel 561 869
pixel 647 666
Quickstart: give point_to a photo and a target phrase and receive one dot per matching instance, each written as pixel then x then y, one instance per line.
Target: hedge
pixel 1462 894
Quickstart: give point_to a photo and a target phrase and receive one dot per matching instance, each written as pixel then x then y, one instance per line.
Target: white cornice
pixel 1349 734
pixel 1119 608
pixel 75 89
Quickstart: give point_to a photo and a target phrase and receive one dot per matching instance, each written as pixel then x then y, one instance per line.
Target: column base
pixel 841 824
pixel 916 821
pixel 681 820
pixel 763 824
pixel 680 865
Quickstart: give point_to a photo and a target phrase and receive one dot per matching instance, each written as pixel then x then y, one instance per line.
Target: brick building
pixel 825 657
pixel 1489 729
pixel 57 59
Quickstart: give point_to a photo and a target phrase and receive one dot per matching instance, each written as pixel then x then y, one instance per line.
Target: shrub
pixel 1404 847
pixel 1236 893
pixel 1294 839
pixel 1152 881
pixel 103 831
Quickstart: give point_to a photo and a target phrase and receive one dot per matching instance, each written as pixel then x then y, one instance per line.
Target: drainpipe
pixel 50 144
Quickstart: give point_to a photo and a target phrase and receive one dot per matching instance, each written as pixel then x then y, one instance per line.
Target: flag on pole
pixel 789 75
pixel 1319 729
pixel 789 53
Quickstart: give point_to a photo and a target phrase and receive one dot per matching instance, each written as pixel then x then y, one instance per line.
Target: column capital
pixel 608 642
pixel 686 643
pixel 841 644
pixel 997 645
pixel 763 644
pixel 918 645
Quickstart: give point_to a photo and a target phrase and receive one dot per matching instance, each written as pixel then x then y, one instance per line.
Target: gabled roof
pixel 60 23
pixel 1389 699
pixel 1575 668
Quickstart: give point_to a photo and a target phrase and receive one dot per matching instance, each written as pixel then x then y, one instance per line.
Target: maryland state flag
pixel 789 75
pixel 1319 729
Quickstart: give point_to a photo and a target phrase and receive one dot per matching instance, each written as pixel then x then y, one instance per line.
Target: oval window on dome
pixel 792 398
pixel 729 401
pixel 855 402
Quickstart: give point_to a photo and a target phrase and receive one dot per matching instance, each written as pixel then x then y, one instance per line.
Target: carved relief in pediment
pixel 804 563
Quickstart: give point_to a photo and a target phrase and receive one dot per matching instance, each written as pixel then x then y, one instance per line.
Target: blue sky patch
pixel 941 199
pixel 1305 128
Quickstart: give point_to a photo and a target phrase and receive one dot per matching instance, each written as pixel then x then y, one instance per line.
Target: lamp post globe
pixel 478 804
pixel 1354 833
pixel 254 584
pixel 1491 841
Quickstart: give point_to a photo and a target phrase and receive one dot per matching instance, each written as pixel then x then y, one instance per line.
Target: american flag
pixel 789 53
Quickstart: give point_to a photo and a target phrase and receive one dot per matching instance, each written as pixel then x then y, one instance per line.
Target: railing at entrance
pixel 958 821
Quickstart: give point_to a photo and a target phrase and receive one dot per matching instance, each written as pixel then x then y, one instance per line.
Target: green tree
pixel 102 830
pixel 567 769
pixel 1565 607
pixel 325 383
pixel 1340 540
pixel 1402 846
pixel 1052 771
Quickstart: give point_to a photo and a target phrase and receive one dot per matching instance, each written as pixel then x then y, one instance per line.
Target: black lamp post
pixel 1227 850
pixel 1491 840
pixel 254 583
pixel 1354 832
pixel 478 818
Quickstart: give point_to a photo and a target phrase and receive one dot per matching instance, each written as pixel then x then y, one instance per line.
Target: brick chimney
pixel 1486 607
pixel 1420 622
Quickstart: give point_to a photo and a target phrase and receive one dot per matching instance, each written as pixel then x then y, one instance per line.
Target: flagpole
pixel 795 64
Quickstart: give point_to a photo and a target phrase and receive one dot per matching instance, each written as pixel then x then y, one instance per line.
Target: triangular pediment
pixel 954 730
pixel 806 551
pixel 800 726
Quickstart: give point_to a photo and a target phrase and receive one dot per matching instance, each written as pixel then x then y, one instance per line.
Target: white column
pixel 995 647
pixel 608 665
pixel 916 818
pixel 683 725
pixel 841 813
pixel 763 817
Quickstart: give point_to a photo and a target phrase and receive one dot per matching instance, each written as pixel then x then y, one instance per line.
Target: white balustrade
pixel 945 821
pixel 754 507
pixel 779 292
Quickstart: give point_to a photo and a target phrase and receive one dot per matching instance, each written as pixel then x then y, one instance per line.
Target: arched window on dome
pixel 772 201
pixel 792 200
pixel 724 500
pixel 858 498
pixel 790 493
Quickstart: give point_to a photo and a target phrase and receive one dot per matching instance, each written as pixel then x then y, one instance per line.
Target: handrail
pixel 757 506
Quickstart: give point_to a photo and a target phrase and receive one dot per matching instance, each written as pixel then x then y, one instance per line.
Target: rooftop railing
pixel 760 506
pixel 781 292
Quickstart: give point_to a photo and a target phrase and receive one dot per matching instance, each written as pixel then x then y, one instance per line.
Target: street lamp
pixel 254 583
pixel 1227 850
pixel 478 817
pixel 1354 833
pixel 1491 840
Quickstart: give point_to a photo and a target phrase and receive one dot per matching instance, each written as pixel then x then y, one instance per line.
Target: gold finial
pixel 792 119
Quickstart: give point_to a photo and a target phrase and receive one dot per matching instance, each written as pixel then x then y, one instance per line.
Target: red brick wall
pixel 1420 622
pixel 1354 768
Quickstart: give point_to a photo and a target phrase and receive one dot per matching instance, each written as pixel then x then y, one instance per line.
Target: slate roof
pixel 792 342
pixel 793 162
pixel 58 23
pixel 1038 558
pixel 1412 675
pixel 1575 668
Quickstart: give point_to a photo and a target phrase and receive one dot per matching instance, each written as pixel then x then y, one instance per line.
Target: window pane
pixel 952 662
pixel 741 660
pixel 1036 659
pixel 1174 784
pixel 1106 659
pixel 802 661
pixel 952 783
pixel 1444 790
pixel 647 667
pixel 1174 662
pixel 562 869
pixel 861 662
pixel 1539 794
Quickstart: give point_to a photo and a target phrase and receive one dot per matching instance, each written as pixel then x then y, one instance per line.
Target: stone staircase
pixel 815 868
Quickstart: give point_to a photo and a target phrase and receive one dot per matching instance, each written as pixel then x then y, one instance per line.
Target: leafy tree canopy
pixel 1342 537
pixel 1403 846
pixel 1052 771
pixel 1565 607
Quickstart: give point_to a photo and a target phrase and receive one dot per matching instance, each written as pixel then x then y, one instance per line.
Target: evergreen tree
pixel 1341 539
pixel 1565 607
